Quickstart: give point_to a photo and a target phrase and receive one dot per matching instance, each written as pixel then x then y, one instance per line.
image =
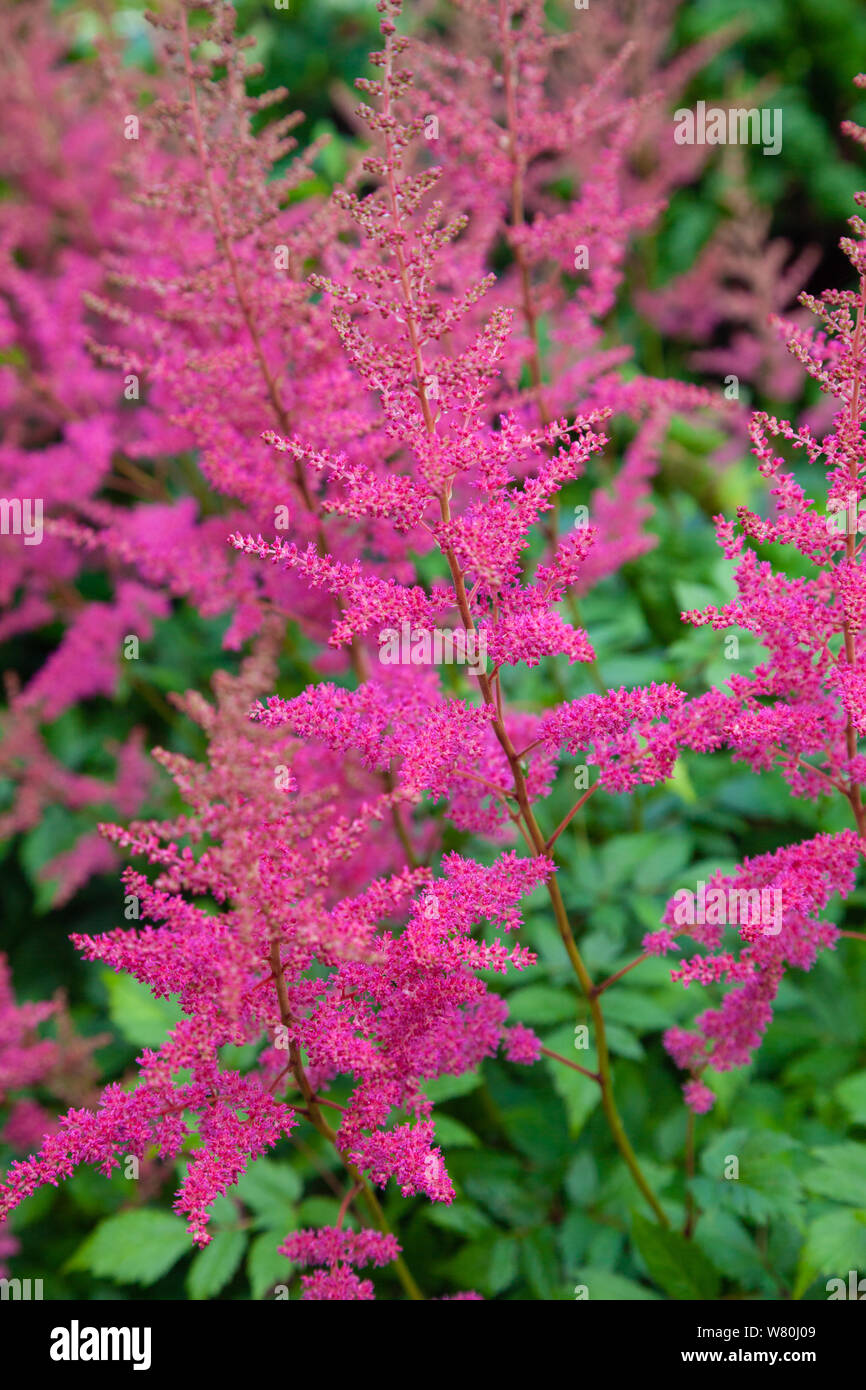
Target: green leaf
pixel 573 1236
pixel 636 1009
pixel 321 1211
pixel 270 1189
pixel 502 1269
pixel 670 854
pixel 852 1094
pixel 617 1189
pixel 677 1265
pixel 540 1004
pixel 623 1042
pixel 680 783
pixel 449 1087
pixel 538 1258
pixel 451 1134
pixel 223 1212
pixel 601 1284
pixel 835 1243
pixel 265 1266
pixel 726 1241
pixel 488 1265
pixel 766 1188
pixel 579 1094
pixel 500 1183
pixel 134 1247
pixel 842 1173
pixel 142 1019
pixel 622 855
pixel 215 1266
pixel 463 1217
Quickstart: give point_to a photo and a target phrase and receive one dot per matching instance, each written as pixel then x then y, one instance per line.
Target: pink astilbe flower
pixel 129 1122
pixel 209 309
pixel 519 111
pixel 64 417
pixel 266 845
pixel 340 1253
pixel 802 709
pixel 478 490
pixel 61 1067
pixel 773 900
pixel 24 1057
pixel 521 1045
pixel 743 280
pixel 183 245
pixel 612 725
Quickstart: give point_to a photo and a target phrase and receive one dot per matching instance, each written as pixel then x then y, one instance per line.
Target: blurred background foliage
pixel 543 1201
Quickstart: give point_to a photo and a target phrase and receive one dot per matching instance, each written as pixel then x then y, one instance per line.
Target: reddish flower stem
pixel 527 818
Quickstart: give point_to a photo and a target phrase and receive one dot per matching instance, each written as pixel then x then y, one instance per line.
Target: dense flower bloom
pixel 803 709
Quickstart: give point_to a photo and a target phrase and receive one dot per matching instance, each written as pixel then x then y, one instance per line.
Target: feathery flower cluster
pixel 339 1253
pixel 802 708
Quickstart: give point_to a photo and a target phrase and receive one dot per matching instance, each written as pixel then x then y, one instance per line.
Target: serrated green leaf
pixel 215 1266
pixel 852 1094
pixel 270 1189
pixel 141 1018
pixel 767 1186
pixel 841 1173
pixel 451 1134
pixel 442 1088
pixel 133 1247
pixel 265 1266
pixel 540 1004
pixel 676 1264
pixel 835 1243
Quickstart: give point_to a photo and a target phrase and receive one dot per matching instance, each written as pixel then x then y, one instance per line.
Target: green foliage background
pixel 544 1202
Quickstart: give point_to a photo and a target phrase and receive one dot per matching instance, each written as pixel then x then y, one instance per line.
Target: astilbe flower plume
pixel 134 296
pixel 213 316
pixel 741 281
pixel 339 1253
pixel 350 963
pixel 65 422
pixel 802 708
pixel 518 113
pixel 281 866
pixel 477 490
pixel 34 1067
